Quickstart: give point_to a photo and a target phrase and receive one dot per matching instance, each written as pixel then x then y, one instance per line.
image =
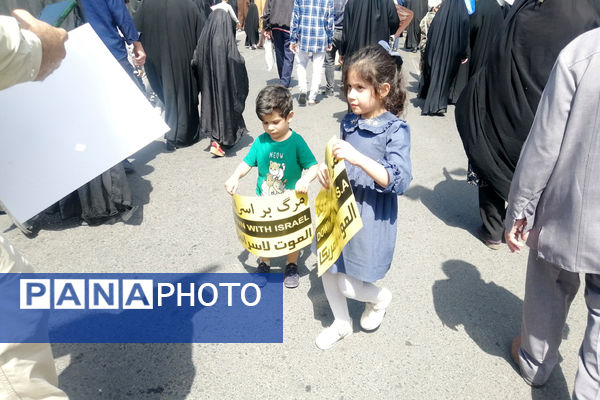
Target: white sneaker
pixel 374 312
pixel 331 335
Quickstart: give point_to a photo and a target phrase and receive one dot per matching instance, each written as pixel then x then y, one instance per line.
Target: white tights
pixel 340 286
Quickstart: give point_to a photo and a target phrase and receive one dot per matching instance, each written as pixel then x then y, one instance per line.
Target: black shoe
pixel 291 278
pixel 171 146
pixel 259 278
pixel 302 98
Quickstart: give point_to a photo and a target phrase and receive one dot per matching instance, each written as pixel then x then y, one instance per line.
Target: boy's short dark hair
pixel 274 98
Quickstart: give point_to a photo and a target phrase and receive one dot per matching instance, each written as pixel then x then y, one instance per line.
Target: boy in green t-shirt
pixel 280 155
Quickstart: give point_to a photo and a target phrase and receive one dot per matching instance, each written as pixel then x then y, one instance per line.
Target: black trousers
pixel 492 210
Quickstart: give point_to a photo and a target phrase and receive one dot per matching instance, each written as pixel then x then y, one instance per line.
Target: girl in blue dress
pixel 375 144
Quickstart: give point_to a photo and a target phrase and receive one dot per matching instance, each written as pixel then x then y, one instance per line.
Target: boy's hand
pixel 323 175
pixel 231 185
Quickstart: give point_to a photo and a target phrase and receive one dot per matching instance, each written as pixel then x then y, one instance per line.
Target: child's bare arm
pixel 304 182
pixel 231 184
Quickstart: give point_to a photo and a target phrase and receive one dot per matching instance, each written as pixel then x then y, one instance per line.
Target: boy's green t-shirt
pixel 280 164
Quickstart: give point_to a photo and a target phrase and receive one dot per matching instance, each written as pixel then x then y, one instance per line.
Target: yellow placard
pixel 273 226
pixel 337 214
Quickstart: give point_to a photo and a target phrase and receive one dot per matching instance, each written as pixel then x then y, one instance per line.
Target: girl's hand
pixel 231 185
pixel 302 185
pixel 345 151
pixel 323 175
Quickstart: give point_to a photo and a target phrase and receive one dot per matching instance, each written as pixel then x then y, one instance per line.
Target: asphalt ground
pixel 456 307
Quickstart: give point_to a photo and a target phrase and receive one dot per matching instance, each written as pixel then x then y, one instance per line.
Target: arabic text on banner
pixel 337 214
pixel 273 226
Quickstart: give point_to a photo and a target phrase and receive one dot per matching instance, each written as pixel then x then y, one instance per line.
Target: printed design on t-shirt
pixel 274 184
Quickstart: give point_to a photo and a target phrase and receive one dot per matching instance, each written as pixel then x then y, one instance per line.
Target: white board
pixel 59 134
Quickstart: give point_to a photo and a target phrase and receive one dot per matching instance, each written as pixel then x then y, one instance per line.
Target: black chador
pixel 169 33
pixel 447 45
pixel 223 81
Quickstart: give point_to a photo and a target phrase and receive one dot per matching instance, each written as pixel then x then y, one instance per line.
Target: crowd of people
pixel 525 80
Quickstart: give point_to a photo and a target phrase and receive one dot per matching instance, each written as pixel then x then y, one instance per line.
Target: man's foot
pixel 312 102
pixel 258 278
pixel 373 315
pixel 302 98
pixel 514 354
pixel 291 278
pixel 333 334
pixel 216 150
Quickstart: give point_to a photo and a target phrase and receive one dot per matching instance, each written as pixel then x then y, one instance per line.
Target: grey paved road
pixel 446 336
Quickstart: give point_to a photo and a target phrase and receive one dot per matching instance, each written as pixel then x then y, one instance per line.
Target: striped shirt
pixel 312 25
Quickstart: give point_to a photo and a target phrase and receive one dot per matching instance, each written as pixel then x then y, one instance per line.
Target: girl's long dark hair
pixel 375 66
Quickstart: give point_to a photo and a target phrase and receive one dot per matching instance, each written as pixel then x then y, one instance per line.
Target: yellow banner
pixel 273 226
pixel 337 214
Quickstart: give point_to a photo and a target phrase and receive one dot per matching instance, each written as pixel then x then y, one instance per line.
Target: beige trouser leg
pixel 27 370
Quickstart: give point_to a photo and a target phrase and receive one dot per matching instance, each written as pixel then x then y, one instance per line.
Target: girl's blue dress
pixel 386 139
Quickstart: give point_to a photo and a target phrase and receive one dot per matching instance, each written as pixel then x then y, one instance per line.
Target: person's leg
pixel 587 381
pixel 549 291
pixel 342 324
pixel 291 278
pixel 27 370
pixel 278 43
pixel 288 61
pixel 356 289
pixel 396 43
pixel 261 39
pixel 330 60
pixel 492 210
pixel 377 300
pixel 329 68
pixel 317 72
pixel 301 70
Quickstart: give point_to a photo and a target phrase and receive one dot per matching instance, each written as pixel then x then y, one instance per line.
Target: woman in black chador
pixel 251 26
pixel 223 83
pixel 495 111
pixel 447 46
pixel 413 32
pixel 169 33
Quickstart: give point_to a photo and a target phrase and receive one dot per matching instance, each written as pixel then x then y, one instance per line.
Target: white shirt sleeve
pixel 20 53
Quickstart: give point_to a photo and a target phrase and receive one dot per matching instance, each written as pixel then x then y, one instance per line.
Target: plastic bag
pixel 269 57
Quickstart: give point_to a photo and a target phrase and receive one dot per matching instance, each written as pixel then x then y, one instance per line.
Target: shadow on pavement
pixel 490 315
pixel 453 201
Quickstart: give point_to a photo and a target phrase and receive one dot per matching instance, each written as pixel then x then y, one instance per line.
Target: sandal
pixel 216 150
